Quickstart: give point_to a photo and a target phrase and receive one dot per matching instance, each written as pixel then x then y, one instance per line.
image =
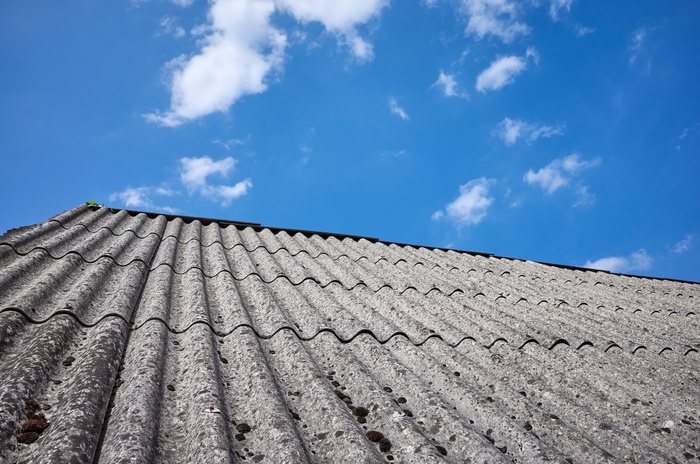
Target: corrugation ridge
pixel 80 224
pixel 98 216
pixel 313 279
pixel 309 278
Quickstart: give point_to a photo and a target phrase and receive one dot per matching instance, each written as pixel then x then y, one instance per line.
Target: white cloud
pixel 449 86
pixel 340 17
pixel 559 173
pixel 392 154
pixel 229 193
pixel 500 73
pixel 493 17
pixel 638 50
pixel 396 109
pixel 532 52
pixel 183 2
pixel 140 197
pixel 582 31
pixel 550 177
pixel 510 130
pixel 688 131
pixel 556 5
pixel 229 143
pixel 239 51
pixel 462 57
pixel 171 27
pixel 471 204
pixel 684 245
pixel 194 173
pixel 636 261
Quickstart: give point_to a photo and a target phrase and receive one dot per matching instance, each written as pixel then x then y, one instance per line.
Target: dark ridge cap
pixel 203 220
pixel 258 227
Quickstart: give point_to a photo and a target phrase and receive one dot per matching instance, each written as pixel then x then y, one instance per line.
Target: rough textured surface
pixel 145 338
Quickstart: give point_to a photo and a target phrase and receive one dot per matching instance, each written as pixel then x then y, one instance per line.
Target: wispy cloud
pixel 582 30
pixel 170 27
pixel 227 144
pixel 639 51
pixel 449 87
pixel 687 132
pixel 636 261
pixel 684 245
pixel 559 173
pixel 556 6
pixel 392 153
pixel 500 73
pixel 470 207
pixel 496 18
pixel 142 198
pixel 510 130
pixel 396 109
pixel 340 17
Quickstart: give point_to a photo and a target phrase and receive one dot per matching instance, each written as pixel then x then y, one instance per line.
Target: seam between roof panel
pixel 133 328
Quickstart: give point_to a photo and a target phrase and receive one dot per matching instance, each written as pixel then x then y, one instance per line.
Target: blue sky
pixel 553 130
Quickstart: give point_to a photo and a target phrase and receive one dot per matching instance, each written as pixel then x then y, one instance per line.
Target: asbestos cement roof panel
pixel 134 337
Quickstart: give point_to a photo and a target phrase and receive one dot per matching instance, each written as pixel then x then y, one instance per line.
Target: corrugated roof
pixel 133 337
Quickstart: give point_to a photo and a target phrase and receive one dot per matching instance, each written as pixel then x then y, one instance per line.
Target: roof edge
pixel 258 226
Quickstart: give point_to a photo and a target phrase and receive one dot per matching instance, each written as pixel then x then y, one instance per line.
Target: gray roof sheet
pixel 148 338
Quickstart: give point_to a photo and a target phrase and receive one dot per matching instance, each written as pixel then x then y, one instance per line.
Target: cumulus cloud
pixel 229 193
pixel 493 17
pixel 240 49
pixel 559 173
pixel 470 206
pixel 396 109
pixel 194 173
pixel 340 17
pixel 449 86
pixel 141 198
pixel 684 245
pixel 510 130
pixel 555 6
pixel 636 261
pixel 500 73
pixel 238 52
